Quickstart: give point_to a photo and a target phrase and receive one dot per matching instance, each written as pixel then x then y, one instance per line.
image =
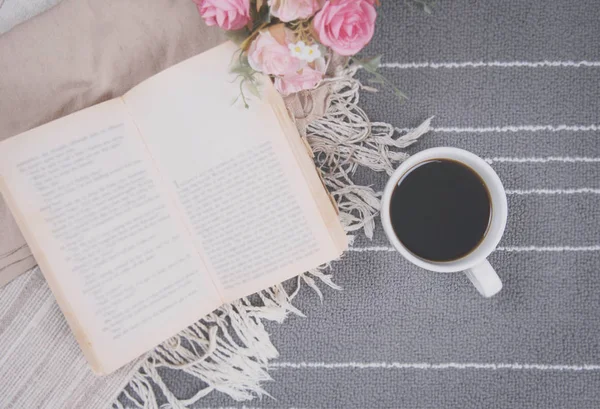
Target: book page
pixel 233 174
pixel 91 205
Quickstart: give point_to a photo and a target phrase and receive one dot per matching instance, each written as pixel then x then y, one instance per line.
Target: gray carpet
pixel 537 343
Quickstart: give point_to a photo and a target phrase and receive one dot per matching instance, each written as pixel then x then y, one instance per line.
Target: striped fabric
pixel 41 365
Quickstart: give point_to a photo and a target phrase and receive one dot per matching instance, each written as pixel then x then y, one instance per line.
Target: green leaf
pixel 426 5
pixel 245 75
pixel 253 88
pixel 242 67
pixel 376 80
pixel 370 64
pixel 375 62
pixel 237 36
pixel 260 17
pixel 399 94
pixel 242 70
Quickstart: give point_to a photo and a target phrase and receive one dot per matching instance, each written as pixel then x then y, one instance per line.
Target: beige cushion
pixel 78 54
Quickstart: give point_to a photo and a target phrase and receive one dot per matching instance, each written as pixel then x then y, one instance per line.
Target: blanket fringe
pixel 344 139
pixel 229 350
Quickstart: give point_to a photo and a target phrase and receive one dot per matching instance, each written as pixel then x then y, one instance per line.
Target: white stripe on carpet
pixel 552 191
pixel 509 248
pixel 250 407
pixel 549 248
pixel 511 128
pixel 448 365
pixel 574 191
pixel 501 64
pixel 567 159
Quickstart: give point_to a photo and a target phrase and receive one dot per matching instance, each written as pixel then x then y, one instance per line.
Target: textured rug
pixel 518 84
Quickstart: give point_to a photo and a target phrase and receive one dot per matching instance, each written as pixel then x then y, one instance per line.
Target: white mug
pixel 474 264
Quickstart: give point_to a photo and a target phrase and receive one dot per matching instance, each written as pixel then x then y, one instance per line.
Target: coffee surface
pixel 440 210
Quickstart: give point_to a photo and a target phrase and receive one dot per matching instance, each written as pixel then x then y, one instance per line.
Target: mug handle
pixel 484 278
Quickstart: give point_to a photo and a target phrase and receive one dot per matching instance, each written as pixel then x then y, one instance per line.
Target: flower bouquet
pixel 294 41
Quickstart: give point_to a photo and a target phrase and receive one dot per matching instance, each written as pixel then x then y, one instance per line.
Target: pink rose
pixel 307 78
pixel 288 10
pixel 346 25
pixel 271 57
pixel 227 14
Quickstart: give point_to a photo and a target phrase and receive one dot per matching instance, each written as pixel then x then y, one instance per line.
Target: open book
pixel 149 211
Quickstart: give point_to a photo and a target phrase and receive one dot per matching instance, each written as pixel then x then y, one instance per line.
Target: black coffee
pixel 440 210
